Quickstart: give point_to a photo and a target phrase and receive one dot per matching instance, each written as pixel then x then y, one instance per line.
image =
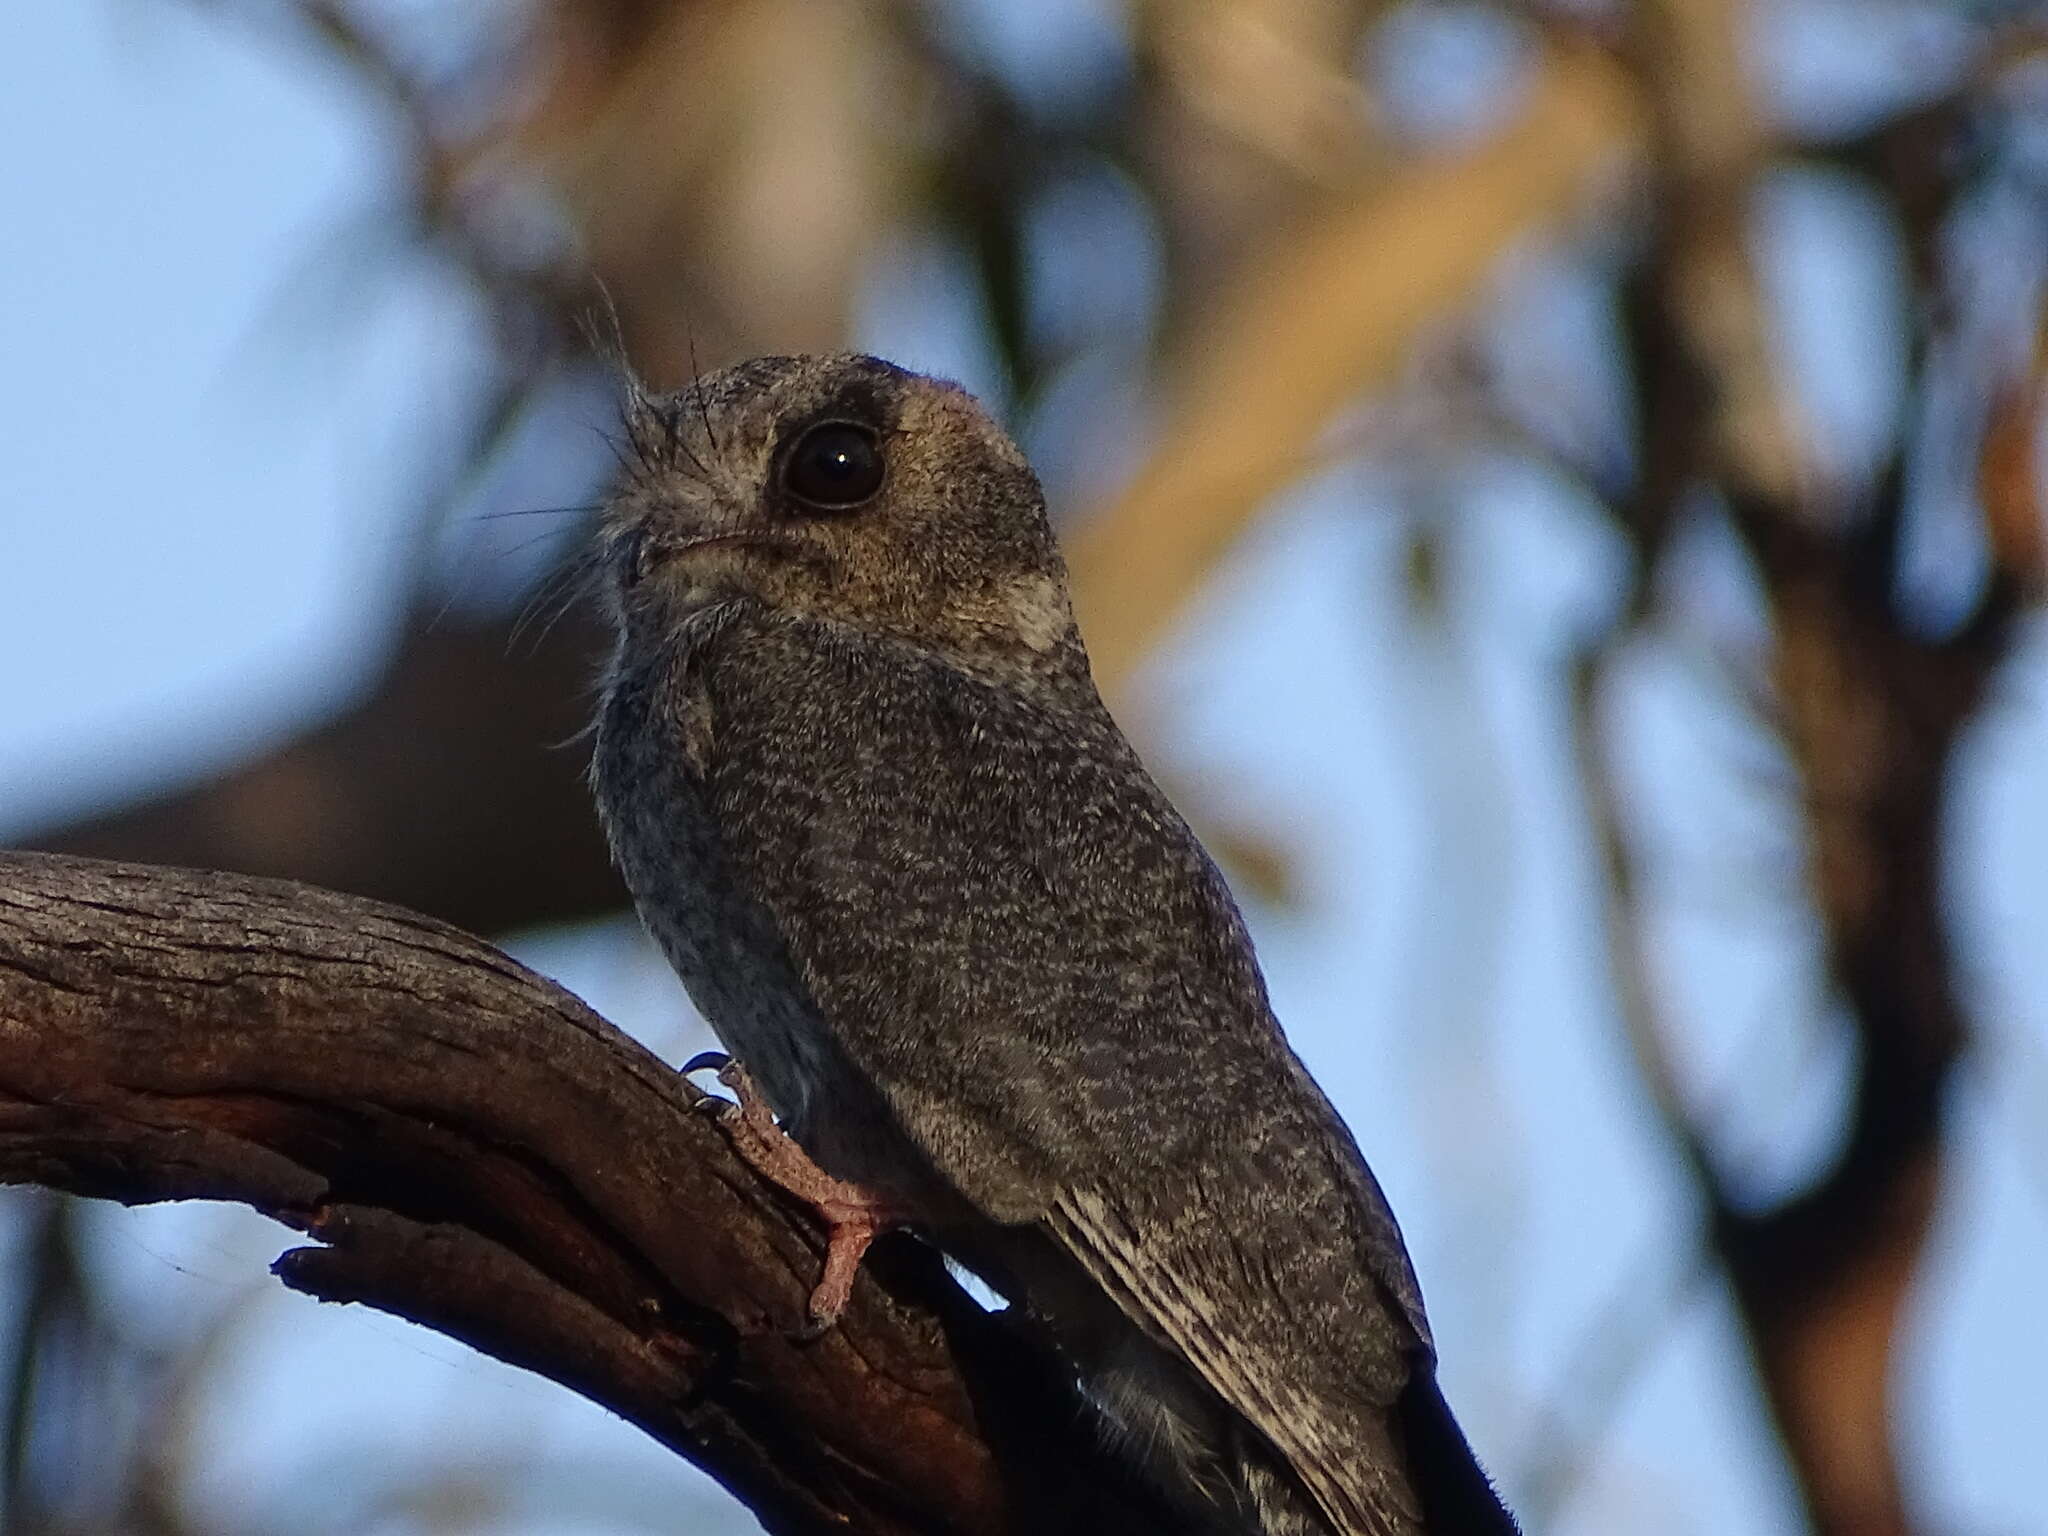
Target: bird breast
pixel 648 768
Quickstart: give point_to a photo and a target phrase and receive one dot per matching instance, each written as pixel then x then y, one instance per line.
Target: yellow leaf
pixel 1318 317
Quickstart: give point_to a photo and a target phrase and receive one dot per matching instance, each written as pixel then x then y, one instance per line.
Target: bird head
pixel 842 489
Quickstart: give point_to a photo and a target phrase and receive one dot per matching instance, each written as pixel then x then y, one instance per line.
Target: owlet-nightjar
pixel 855 769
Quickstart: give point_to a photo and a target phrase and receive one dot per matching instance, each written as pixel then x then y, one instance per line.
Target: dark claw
pixel 709 1061
pixel 813 1330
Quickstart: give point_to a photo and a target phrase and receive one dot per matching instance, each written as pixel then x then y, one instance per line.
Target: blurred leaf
pixel 729 173
pixel 1328 310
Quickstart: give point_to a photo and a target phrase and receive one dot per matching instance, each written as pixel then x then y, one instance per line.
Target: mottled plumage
pixel 867 798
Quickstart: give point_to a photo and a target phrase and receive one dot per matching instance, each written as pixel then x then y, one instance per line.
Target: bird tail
pixel 1458 1499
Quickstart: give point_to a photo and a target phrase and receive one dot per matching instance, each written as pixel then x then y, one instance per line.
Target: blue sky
pixel 216 409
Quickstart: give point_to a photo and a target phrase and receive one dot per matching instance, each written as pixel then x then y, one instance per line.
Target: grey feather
pixel 869 802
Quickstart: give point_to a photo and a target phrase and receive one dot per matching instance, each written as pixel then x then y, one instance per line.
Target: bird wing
pixel 1334 1434
pixel 1016 939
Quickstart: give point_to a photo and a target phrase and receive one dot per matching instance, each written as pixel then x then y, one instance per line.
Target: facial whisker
pixel 628 456
pixel 697 389
pixel 584 509
pixel 558 593
pixel 682 441
pixel 527 543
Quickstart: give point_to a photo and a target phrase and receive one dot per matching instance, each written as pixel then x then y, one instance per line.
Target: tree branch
pixel 477 1151
pixel 1870 709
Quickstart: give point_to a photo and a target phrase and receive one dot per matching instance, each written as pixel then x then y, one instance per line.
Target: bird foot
pixel 853 1216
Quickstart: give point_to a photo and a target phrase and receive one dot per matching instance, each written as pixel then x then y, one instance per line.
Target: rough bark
pixel 477 1151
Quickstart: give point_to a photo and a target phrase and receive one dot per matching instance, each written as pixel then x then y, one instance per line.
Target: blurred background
pixel 1554 488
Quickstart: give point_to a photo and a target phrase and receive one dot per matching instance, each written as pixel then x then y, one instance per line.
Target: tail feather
pixel 1458 1499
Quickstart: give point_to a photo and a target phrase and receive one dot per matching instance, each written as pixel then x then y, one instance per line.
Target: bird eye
pixel 834 466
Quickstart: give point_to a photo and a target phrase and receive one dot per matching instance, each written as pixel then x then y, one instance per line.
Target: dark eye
pixel 834 465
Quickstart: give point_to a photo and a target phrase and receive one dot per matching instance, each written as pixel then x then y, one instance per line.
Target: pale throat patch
pixel 1036 608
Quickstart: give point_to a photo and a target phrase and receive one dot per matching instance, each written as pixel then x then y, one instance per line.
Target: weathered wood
pixel 479 1152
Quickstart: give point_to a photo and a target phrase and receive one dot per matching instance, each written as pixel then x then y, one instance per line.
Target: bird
pixel 976 974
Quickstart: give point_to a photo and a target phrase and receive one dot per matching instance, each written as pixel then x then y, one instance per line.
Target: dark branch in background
pixel 1870 709
pixel 439 789
pixel 449 788
pixel 477 1151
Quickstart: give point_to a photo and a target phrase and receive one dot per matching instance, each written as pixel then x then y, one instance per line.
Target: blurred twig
pixel 1870 709
pixel 1326 311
